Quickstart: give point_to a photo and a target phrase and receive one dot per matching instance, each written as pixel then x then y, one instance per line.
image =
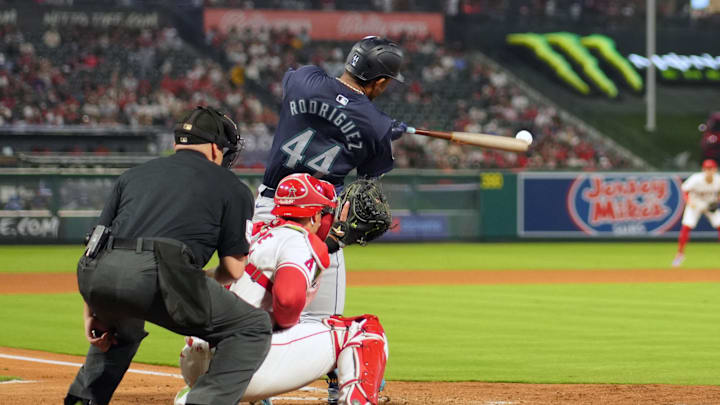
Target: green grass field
pixel 562 333
pixel 444 256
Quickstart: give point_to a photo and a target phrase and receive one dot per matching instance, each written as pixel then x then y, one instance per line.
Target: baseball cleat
pixel 73 400
pixel 679 259
pixel 181 396
pixel 333 388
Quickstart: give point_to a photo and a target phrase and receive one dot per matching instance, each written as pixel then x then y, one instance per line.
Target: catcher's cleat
pixel 333 388
pixel 679 259
pixel 267 401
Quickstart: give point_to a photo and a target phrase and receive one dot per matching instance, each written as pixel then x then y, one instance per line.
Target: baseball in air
pixel 525 136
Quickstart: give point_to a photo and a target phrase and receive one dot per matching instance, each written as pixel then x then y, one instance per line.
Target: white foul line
pixel 298 399
pixel 309 389
pixel 18 381
pixel 67 363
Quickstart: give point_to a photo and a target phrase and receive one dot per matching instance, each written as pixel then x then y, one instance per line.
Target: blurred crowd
pixel 148 77
pixel 73 194
pixel 71 75
pixel 110 76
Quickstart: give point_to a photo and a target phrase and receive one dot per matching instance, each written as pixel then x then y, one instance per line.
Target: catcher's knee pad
pixel 195 359
pixel 362 355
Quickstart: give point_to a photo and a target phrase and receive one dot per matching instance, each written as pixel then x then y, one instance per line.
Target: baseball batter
pixel 286 257
pixel 702 191
pixel 328 126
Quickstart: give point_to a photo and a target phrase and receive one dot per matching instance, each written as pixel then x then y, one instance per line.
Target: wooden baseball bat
pixel 469 138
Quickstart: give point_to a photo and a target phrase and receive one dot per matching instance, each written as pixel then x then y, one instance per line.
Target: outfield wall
pixel 60 206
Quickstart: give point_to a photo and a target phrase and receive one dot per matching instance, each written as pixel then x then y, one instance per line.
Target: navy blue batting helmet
pixel 374 57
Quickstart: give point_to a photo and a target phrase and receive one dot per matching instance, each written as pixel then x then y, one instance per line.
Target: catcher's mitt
pixel 368 216
pixel 713 206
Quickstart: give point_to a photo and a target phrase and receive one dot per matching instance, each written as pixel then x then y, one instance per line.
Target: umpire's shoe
pixel 73 400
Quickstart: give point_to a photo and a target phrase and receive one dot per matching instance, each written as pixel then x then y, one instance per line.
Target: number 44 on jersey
pixel 295 149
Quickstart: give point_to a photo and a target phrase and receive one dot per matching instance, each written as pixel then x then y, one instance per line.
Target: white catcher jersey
pixel 281 246
pixel 701 192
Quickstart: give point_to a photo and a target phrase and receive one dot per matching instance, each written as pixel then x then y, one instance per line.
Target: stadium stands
pixel 119 76
pixel 146 77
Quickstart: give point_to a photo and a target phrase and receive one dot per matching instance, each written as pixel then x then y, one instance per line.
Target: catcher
pixel 286 259
pixel 702 191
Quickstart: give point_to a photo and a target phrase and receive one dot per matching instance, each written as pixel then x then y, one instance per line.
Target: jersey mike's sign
pixel 602 205
pixel 329 25
pixel 620 205
pixel 592 64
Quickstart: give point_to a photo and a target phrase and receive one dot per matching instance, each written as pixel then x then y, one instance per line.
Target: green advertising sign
pixel 579 61
pixel 555 49
pixel 673 67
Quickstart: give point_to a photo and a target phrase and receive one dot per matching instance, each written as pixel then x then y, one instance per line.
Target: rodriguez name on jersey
pixel 332 114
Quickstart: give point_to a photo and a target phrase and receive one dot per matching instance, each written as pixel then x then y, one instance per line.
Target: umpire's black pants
pixel 123 290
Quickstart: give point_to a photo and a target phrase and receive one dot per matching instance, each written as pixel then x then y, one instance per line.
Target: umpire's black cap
pixel 208 125
pixel 373 57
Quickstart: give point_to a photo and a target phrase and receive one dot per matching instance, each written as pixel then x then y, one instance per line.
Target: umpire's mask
pixel 220 130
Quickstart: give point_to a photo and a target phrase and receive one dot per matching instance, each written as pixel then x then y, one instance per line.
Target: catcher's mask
pixel 300 195
pixel 196 129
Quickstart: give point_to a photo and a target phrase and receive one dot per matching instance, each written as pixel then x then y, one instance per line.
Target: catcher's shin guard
pixel 362 355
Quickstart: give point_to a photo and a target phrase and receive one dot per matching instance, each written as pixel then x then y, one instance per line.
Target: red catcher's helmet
pixel 709 164
pixel 300 195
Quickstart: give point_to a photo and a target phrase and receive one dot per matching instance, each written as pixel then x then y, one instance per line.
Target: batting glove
pixel 397 129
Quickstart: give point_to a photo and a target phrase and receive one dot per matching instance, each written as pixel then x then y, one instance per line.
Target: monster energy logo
pixel 565 52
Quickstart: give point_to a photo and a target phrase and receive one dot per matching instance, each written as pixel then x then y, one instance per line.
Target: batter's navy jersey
pixel 327 129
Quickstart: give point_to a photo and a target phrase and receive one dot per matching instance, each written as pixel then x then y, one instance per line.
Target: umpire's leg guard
pixel 362 355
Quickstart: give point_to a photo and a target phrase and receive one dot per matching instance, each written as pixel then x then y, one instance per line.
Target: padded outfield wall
pixel 60 206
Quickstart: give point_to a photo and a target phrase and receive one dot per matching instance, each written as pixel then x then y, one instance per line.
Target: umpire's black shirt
pixel 185 197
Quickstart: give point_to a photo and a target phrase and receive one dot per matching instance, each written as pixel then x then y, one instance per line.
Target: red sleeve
pixel 686 196
pixel 289 289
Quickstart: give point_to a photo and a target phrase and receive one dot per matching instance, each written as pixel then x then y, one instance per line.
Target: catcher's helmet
pixel 300 195
pixel 208 125
pixel 374 57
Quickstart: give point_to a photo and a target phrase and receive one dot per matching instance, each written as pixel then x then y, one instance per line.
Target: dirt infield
pixel 44 377
pixel 44 383
pixel 37 283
